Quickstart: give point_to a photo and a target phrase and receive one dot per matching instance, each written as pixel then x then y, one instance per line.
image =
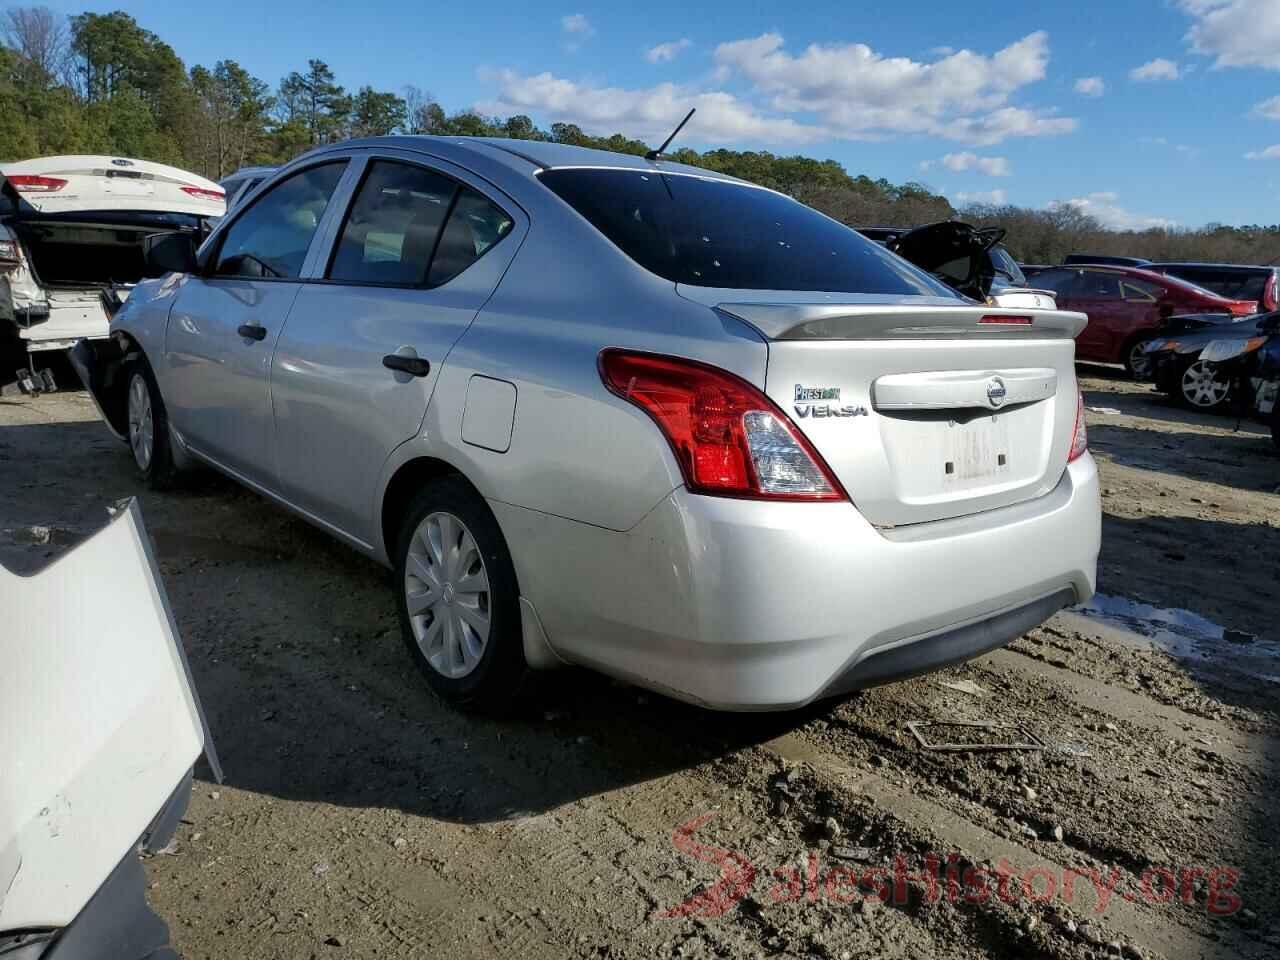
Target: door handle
pixel 414 366
pixel 252 331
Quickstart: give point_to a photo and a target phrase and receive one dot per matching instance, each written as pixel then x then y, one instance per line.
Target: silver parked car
pixel 601 410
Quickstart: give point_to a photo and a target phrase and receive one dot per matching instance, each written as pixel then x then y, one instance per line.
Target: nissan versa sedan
pixel 601 410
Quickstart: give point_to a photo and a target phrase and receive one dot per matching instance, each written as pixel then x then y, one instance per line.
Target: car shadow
pixel 1226 573
pixel 296 653
pixel 1245 460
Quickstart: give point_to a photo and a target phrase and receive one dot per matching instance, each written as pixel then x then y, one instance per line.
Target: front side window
pixel 270 239
pixel 716 233
pixel 1061 282
pixel 1096 285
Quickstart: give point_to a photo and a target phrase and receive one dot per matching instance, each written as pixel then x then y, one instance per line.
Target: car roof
pixel 1212 266
pixel 537 155
pixel 245 173
pixel 1141 273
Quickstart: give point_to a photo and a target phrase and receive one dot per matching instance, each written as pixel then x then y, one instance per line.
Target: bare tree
pixel 40 38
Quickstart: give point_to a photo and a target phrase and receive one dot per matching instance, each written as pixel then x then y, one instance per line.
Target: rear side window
pixel 392 228
pixel 474 226
pixel 271 238
pixel 1140 291
pixel 711 233
pixel 410 226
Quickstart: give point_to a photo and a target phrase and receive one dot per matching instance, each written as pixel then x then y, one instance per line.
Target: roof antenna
pixel 655 154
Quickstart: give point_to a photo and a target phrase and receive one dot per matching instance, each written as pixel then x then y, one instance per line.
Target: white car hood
pixel 99 721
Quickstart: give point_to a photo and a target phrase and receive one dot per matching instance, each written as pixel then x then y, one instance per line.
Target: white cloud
pixel 994 197
pixel 1268 108
pixel 648 113
pixel 1157 69
pixel 576 29
pixel 1236 33
pixel 991 166
pixel 1091 86
pixel 1105 208
pixel 577 23
pixel 1270 153
pixel 859 93
pixel 666 52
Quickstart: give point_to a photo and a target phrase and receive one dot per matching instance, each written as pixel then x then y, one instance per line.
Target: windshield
pixel 713 233
pixel 1005 266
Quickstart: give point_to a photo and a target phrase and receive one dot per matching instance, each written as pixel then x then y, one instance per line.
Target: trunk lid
pixel 923 411
pixel 76 184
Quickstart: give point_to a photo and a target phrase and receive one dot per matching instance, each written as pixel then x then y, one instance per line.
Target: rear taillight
pixel 1080 434
pixel 29 183
pixel 1244 309
pixel 729 438
pixel 200 193
pixel 1270 296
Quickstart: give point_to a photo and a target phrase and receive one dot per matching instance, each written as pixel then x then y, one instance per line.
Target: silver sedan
pixel 629 414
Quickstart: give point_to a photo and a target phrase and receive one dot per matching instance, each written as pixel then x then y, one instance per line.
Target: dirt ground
pixel 360 818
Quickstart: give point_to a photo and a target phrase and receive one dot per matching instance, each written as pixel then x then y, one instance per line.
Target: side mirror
pixel 173 252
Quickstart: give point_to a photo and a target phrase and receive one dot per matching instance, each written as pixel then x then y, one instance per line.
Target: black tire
pixel 494 684
pixel 1138 368
pixel 157 469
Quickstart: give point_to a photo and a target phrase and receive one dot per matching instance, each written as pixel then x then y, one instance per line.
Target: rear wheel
pixel 1204 386
pixel 458 599
pixel 1136 362
pixel 148 426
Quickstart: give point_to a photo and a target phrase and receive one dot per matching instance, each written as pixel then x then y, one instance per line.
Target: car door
pixel 1096 293
pixel 226 320
pixel 417 253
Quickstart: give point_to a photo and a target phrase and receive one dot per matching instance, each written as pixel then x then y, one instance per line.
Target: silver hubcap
pixel 1204 385
pixel 446 588
pixel 1139 362
pixel 142 431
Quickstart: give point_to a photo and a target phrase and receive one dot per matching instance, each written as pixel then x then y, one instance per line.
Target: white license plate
pixel 975 450
pixel 129 188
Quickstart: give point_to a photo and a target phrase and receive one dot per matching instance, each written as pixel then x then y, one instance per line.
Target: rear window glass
pixel 1006 266
pixel 1236 284
pixel 710 233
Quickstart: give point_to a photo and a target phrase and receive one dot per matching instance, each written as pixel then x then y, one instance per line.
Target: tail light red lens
pixel 1080 434
pixel 30 183
pixel 1270 296
pixel 200 193
pixel 729 438
pixel 1245 309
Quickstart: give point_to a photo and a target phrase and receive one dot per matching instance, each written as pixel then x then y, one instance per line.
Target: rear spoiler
pixel 828 321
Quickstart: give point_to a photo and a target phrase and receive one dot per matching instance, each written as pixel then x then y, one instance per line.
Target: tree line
pixel 103 84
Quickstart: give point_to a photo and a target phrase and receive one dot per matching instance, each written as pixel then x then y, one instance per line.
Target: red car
pixel 1126 306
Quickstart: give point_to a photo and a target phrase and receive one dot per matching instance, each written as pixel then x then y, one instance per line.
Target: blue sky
pixel 1141 112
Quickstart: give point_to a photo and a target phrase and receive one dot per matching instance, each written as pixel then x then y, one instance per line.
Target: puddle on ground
pixel 1184 634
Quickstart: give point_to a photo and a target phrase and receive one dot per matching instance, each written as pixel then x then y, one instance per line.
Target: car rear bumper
pixel 745 605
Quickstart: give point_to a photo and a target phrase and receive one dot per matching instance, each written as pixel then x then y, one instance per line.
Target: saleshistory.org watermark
pixel 935 877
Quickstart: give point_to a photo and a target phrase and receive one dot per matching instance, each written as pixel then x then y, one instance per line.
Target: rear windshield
pixel 710 233
pixel 1235 284
pixel 1004 265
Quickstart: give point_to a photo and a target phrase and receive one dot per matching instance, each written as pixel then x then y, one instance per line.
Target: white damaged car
pixel 71 239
